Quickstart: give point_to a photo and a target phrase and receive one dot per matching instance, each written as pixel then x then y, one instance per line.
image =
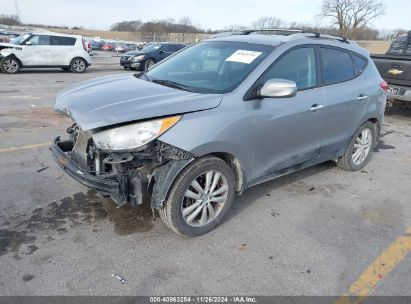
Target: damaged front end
pixel 131 176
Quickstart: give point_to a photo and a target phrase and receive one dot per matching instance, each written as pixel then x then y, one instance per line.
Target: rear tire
pixel 360 150
pixel 10 65
pixel 195 210
pixel 78 65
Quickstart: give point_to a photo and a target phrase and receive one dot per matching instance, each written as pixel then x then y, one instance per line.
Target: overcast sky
pixel 214 14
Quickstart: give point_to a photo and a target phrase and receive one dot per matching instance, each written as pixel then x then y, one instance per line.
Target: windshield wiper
pixel 172 84
pixel 139 75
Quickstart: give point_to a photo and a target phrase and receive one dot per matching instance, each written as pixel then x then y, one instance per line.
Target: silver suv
pixel 219 117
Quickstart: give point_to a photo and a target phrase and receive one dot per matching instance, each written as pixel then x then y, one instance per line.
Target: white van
pixel 44 50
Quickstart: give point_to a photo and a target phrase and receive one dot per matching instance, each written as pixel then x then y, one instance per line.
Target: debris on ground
pixel 311 189
pixel 119 277
pixel 275 214
pixel 42 169
pixel 27 277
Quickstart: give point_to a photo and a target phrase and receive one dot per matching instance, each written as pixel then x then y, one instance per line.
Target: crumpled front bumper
pixel 115 189
pixel 126 187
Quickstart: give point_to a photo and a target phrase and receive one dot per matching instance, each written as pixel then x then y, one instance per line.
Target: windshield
pixel 211 67
pixel 19 40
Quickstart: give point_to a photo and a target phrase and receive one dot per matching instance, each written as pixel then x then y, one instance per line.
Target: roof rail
pixel 286 32
pixel 281 30
pixel 226 34
pixel 324 36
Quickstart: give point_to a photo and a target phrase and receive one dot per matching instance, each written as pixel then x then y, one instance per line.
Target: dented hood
pixel 7 44
pixel 4 45
pixel 118 99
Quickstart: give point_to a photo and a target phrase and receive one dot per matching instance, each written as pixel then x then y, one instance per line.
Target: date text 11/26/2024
pixel 233 299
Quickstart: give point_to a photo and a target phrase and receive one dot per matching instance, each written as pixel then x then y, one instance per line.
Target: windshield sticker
pixel 243 56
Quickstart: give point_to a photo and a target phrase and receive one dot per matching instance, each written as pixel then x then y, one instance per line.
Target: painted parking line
pixel 378 270
pixel 12 149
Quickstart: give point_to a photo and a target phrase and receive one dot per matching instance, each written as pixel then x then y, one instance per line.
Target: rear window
pixel 360 64
pixel 62 40
pixel 337 66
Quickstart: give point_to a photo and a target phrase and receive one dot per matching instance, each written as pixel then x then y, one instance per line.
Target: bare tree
pixel 350 15
pixel 235 28
pixel 10 20
pixel 185 21
pixel 268 22
pixel 126 26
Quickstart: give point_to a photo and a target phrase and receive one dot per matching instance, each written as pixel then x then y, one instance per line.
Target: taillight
pixel 384 86
pixel 84 45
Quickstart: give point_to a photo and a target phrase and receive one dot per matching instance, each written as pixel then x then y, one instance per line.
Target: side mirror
pixel 28 43
pixel 278 88
pixel 162 52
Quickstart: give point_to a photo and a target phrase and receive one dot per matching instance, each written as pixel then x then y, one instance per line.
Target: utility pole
pixel 16 5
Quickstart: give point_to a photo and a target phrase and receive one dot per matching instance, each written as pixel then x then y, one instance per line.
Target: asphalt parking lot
pixel 321 231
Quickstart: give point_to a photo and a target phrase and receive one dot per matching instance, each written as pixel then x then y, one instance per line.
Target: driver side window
pixel 298 66
pixel 40 40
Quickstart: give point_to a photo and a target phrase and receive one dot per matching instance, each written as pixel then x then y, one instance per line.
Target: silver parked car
pixel 219 117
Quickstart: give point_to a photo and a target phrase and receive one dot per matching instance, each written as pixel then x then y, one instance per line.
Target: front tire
pixel 200 197
pixel 78 65
pixel 359 152
pixel 10 65
pixel 149 64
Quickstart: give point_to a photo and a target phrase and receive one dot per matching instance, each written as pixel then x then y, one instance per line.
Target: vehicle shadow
pixel 113 67
pixel 42 71
pixel 398 111
pixel 255 193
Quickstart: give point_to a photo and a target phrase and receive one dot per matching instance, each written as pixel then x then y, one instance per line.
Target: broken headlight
pixel 134 135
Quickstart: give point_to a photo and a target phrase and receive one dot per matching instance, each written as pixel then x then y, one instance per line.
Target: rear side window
pixel 398 45
pixel 298 66
pixel 337 66
pixel 62 40
pixel 408 49
pixel 360 64
pixel 168 48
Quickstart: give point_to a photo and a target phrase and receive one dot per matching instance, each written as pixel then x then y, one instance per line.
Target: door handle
pixel 362 97
pixel 316 107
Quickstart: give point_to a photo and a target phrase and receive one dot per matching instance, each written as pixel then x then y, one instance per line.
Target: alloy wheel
pixel 10 65
pixel 204 199
pixel 79 65
pixel 362 146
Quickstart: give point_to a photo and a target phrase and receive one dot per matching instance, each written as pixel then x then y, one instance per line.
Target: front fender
pixel 162 180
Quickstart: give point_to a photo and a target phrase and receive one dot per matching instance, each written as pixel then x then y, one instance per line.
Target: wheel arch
pixel 376 122
pixel 235 165
pixel 79 57
pixel 163 177
pixel 12 55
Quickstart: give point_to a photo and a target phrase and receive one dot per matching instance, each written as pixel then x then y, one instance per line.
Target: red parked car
pixel 107 47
